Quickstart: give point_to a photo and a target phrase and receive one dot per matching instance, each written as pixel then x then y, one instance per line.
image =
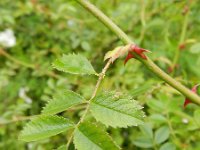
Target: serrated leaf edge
pixel 95 73
pixel 67 108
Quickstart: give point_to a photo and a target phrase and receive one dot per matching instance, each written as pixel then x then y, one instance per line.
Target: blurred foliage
pixel 44 30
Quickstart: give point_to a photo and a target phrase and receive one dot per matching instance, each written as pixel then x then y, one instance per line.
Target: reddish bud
pixel 185 10
pixel 181 46
pixel 137 50
pixel 170 69
pixel 129 56
pixel 187 100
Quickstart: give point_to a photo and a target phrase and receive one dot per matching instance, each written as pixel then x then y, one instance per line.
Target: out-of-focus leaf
pixel 162 134
pixel 143 142
pixel 197 117
pixel 62 147
pixel 158 118
pixel 147 130
pixel 142 89
pixel 168 146
pixel 156 105
pixel 195 49
pixel 85 45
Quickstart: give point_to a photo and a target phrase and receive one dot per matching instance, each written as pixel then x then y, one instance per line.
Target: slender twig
pixel 101 76
pixel 17 119
pixel 181 40
pixel 25 64
pixel 24 118
pixel 170 126
pixel 143 22
pixel 135 22
pixel 148 63
pixel 8 56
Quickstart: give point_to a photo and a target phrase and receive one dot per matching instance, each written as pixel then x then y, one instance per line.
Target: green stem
pixel 148 63
pixel 143 22
pixel 142 15
pixel 101 76
pixel 182 39
pixel 105 20
pixel 16 60
pixel 27 65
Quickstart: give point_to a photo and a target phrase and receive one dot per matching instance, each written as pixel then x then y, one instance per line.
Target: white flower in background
pixel 22 94
pixel 71 23
pixel 7 38
pixel 184 120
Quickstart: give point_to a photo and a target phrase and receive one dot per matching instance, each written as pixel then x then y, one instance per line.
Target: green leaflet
pixel 74 64
pixel 62 147
pixel 142 89
pixel 89 136
pixel 195 48
pixel 61 101
pixel 116 110
pixel 143 142
pixel 162 134
pixel 44 127
pixel 168 146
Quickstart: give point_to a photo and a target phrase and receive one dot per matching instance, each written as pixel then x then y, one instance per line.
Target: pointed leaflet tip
pixel 129 56
pixel 194 90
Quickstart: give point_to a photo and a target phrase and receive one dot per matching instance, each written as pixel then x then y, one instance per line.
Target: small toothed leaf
pixel 61 101
pixel 89 136
pixel 116 110
pixel 74 64
pixel 44 127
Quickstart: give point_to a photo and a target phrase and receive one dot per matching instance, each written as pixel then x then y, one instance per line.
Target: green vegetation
pixel 57 92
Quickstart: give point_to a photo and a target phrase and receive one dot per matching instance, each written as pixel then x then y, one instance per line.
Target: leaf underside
pixel 88 136
pixel 116 110
pixel 44 127
pixel 74 64
pixel 61 101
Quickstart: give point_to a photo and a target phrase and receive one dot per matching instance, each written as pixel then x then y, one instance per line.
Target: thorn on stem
pixel 137 50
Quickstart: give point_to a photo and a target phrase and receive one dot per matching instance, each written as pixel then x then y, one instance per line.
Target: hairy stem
pixel 148 63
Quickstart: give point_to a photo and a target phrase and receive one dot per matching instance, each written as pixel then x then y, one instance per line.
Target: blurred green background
pixel 33 33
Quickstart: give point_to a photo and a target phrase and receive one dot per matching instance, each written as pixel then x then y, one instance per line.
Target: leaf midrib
pixel 88 138
pixel 114 109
